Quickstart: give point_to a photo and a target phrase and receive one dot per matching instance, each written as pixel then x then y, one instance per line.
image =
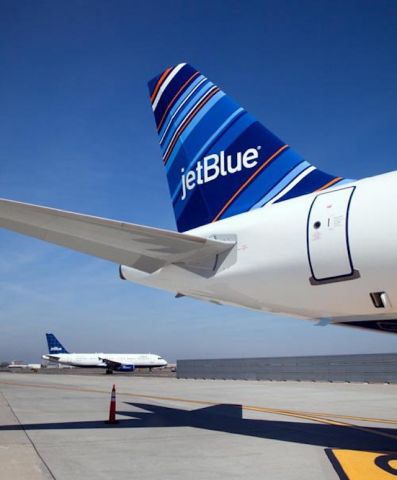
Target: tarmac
pixel 53 427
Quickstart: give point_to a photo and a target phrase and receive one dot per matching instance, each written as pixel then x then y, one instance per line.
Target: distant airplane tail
pixel 54 345
pixel 220 161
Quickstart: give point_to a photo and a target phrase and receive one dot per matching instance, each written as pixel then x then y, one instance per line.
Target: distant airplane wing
pixel 110 363
pixel 144 248
pixel 118 366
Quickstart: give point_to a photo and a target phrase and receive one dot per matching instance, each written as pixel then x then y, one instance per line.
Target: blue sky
pixel 77 133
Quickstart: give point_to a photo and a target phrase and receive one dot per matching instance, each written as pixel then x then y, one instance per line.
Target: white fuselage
pixel 93 360
pixel 316 256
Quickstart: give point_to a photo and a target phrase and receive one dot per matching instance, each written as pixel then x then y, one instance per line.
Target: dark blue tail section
pixel 220 161
pixel 54 345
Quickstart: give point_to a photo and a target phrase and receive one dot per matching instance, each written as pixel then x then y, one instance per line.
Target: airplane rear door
pixel 328 237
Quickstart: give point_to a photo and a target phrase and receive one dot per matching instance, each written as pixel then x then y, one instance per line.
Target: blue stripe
pixel 234 131
pixel 259 136
pixel 174 174
pixel 219 191
pixel 344 181
pixel 308 184
pixel 206 146
pixel 182 114
pixel 215 117
pixel 172 88
pixel 263 182
pixel 197 204
pixel 180 100
pixel 289 177
pixel 193 122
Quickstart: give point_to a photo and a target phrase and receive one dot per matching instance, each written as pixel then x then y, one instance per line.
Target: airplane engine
pixel 124 367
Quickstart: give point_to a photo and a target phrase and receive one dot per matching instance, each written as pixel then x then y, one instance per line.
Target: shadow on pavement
pixel 228 419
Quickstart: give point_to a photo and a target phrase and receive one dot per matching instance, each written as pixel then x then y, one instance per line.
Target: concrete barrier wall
pixel 371 368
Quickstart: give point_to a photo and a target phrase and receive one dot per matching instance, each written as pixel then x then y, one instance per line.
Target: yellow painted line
pixel 320 419
pixel 206 402
pixel 360 465
pixel 290 413
pixel 353 417
pixel 349 464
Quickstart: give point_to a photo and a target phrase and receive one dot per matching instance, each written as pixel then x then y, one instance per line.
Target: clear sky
pixel 76 132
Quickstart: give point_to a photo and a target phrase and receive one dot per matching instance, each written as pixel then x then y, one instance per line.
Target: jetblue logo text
pixel 212 166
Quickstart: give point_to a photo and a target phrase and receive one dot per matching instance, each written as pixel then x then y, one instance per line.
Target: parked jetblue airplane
pixel 263 228
pixel 118 362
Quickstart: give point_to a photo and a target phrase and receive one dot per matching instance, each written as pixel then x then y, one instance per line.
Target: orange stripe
pixel 175 96
pixel 334 180
pixel 250 180
pixel 158 84
pixel 188 119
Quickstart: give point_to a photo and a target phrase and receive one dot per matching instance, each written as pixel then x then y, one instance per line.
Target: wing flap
pixel 120 242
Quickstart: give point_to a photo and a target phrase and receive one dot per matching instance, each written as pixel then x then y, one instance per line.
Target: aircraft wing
pixel 110 363
pixel 118 366
pixel 137 246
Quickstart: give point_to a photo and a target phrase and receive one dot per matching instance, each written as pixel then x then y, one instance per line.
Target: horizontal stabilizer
pixel 137 246
pixel 52 358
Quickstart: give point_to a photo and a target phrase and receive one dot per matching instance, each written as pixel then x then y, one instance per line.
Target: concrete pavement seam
pixel 28 437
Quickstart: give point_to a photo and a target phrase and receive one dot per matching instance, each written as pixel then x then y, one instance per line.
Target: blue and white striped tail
pixel 220 161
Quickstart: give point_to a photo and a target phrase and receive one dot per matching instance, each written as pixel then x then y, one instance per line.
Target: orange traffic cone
pixel 112 408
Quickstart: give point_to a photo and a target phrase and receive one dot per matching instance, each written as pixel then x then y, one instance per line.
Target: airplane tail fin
pixel 220 161
pixel 54 345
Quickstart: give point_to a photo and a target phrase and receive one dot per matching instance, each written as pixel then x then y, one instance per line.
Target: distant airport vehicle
pixel 22 365
pixel 112 362
pixel 263 228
